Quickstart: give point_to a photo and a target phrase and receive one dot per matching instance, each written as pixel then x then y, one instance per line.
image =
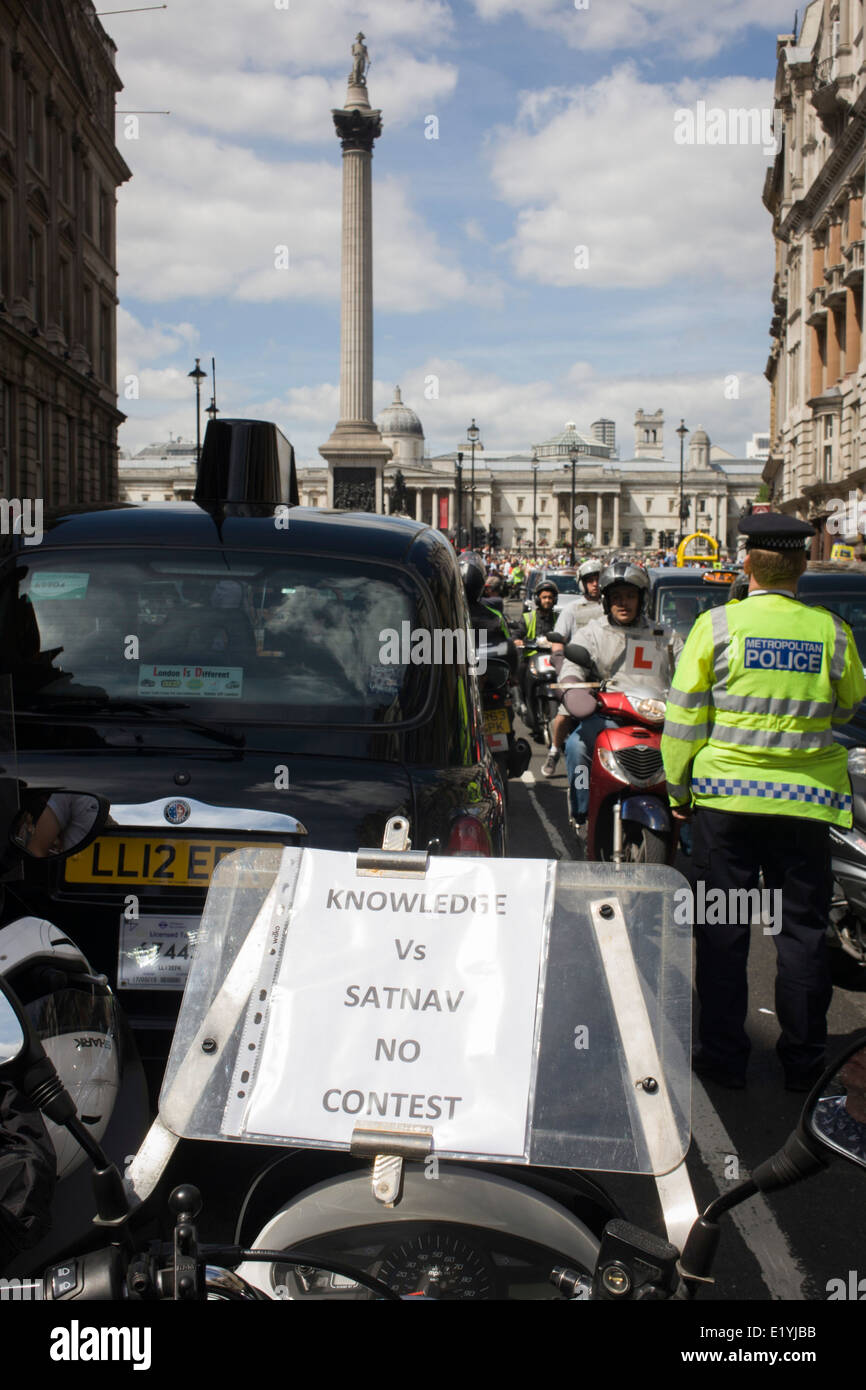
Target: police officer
pixel 748 743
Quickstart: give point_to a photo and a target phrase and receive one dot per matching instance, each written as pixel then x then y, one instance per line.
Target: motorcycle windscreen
pixel 511 1010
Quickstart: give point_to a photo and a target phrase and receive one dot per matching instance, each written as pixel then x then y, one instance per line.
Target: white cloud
pixel 624 25
pixel 244 66
pixel 599 168
pixel 204 218
pixel 510 414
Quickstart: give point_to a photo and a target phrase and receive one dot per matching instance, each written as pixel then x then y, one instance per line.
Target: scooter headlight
pixel 651 710
pixel 609 762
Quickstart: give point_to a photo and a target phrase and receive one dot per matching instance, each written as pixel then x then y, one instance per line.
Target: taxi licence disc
pixel 163 861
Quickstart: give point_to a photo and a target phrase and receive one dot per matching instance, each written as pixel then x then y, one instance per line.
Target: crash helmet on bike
pixel 623 572
pixel 588 570
pixel 73 1013
pixel 546 584
pixel 473 574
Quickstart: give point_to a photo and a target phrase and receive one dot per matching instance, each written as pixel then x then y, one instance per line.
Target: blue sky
pixel 556 131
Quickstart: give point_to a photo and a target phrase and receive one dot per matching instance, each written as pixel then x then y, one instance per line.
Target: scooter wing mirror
pixel 581 657
pixel 836 1115
pixel 56 824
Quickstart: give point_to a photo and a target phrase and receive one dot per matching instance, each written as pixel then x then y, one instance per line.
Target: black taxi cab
pixel 227 673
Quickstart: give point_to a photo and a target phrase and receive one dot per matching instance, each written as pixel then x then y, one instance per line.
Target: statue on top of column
pixel 361 63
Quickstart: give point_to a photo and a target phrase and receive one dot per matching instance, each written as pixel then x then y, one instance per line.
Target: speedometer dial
pixel 438 1264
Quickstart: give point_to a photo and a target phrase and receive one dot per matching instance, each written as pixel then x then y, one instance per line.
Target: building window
pixel 71 460
pixel 647 537
pixel 828 426
pixel 88 199
pixel 649 504
pixel 4 87
pixel 520 502
pixel 36 274
pixel 104 221
pixel 64 282
pixel 33 117
pixel 5 250
pixel 605 537
pixel 64 171
pixel 544 504
pixel 87 326
pixel 672 504
pixel 626 538
pixel 105 342
pixel 145 497
pixel 6 437
pixel 40 475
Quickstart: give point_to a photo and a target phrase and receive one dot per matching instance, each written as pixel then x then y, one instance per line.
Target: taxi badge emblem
pixel 177 812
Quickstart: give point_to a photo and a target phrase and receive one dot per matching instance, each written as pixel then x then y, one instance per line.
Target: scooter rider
pixel 626 650
pixel 575 616
pixel 530 626
pixel 589 576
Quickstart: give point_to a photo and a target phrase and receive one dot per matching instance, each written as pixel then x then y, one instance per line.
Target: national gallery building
pixel 623 504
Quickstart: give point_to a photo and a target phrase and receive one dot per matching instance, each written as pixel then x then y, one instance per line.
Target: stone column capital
pixel 357 129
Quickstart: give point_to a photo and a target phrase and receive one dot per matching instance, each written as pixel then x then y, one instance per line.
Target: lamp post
pixel 459 469
pixel 472 435
pixel 535 467
pixel 682 432
pixel 213 409
pixel 198 376
pixel 572 465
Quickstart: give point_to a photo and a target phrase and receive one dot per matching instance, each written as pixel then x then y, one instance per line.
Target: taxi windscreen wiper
pixel 94 702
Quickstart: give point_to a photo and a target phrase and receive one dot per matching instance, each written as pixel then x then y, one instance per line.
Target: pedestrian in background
pixel 748 743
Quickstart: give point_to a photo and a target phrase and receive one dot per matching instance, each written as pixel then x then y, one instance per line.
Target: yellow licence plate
pixel 179 863
pixel 497 721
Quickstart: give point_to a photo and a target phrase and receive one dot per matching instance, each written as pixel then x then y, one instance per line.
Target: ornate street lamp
pixel 213 409
pixel 472 435
pixel 682 432
pixel 572 465
pixel 198 376
pixel 535 468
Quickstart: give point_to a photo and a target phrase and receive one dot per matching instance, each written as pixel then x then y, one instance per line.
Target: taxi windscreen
pixel 680 605
pixel 308 639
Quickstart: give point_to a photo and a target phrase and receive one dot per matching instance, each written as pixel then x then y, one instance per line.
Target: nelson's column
pixel 355 453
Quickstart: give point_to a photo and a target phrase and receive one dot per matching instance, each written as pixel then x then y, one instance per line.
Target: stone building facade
pixel 59 172
pixel 623 504
pixel 814 192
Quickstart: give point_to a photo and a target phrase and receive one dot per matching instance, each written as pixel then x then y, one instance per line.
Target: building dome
pixel 398 418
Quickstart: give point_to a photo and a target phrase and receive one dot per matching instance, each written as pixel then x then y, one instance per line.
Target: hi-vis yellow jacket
pixel 749 717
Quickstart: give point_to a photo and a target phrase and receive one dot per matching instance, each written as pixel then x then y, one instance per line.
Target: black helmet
pixel 473 574
pixel 623 572
pixel 545 584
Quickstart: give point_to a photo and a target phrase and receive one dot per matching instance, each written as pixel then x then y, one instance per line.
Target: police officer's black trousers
pixel 729 850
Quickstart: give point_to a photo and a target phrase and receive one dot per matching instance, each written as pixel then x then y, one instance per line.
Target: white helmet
pixel 588 570
pixel 73 1012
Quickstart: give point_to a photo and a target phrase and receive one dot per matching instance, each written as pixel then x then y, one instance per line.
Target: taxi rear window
pixel 237 634
pixel 679 606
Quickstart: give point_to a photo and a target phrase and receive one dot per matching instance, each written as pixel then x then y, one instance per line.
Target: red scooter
pixel 629 818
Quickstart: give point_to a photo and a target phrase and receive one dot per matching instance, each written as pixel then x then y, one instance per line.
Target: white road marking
pixel 782 1274
pixel 560 848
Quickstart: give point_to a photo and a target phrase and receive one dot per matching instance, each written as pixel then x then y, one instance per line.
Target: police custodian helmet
pixel 774 531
